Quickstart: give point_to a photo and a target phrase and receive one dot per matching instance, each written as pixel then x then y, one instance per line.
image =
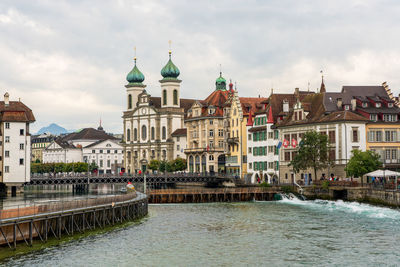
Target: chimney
pixel 6 99
pixel 272 91
pixel 296 91
pixel 353 104
pixel 339 103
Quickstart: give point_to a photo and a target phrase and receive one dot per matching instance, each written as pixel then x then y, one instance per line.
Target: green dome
pixel 135 76
pixel 220 83
pixel 170 71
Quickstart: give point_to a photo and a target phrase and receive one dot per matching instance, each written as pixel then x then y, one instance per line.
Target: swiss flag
pixel 285 143
pixel 294 143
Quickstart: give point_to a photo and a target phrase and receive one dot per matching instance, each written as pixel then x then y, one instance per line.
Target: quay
pixel 66 218
pixel 203 195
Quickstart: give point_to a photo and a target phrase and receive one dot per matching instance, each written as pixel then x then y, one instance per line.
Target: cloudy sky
pixel 68 60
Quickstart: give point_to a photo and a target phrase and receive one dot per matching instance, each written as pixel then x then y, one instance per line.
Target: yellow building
pixel 237 112
pixel 38 144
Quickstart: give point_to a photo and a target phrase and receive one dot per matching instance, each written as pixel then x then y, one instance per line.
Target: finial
pixel 235 86
pixel 322 75
pixel 170 51
pixel 220 70
pixel 100 121
pixel 134 58
pixel 308 87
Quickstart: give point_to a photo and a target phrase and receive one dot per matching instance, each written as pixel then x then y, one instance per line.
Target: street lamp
pixel 384 178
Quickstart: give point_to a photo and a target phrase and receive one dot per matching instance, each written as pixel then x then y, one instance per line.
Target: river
pixel 282 233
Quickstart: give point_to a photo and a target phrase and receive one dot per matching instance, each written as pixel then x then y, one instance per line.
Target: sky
pixel 68 60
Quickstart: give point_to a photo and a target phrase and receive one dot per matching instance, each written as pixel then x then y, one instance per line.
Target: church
pixel 149 122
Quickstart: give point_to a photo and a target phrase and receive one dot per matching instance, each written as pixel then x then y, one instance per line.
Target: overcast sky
pixel 68 60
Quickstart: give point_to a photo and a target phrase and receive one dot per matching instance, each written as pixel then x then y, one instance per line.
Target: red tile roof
pixel 180 132
pixel 16 111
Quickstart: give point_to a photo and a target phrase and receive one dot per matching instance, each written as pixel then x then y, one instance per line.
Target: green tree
pixel 179 164
pixel 362 162
pixel 59 167
pixel 93 166
pixel 312 154
pixel 165 166
pixel 154 165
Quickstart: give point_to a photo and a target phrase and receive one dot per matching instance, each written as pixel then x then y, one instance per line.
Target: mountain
pixel 53 129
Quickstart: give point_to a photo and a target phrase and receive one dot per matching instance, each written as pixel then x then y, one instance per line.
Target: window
pixel 21 131
pixel 152 133
pixel 108 163
pixel 394 153
pixel 7 125
pixel 287 156
pixel 250 166
pixel 21 161
pixel 211 122
pixel 177 138
pixel 377 104
pixel 144 132
pixel 387 154
pixel 294 136
pixel 101 151
pixel 129 101
pixel 135 134
pixel 373 117
pixel 346 107
pixel 270 135
pixel 211 133
pixel 249 150
pixel 221 144
pixel 211 157
pixel 364 104
pixel 21 146
pixel 101 163
pixel 177 148
pixel 7 154
pixel 332 137
pixel 355 135
pixel 93 151
pixel 220 133
pixel 249 137
pixel 164 97
pixel 108 151
pixel 276 134
pixel 128 135
pixel 390 105
pixel 7 139
pixel 6 169
pixel 287 137
pixel 164 132
pixel 332 155
pixel 175 97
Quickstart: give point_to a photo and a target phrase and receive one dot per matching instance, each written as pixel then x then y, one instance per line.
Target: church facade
pixel 150 121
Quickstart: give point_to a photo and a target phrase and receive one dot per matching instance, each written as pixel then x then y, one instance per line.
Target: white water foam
pixel 348 207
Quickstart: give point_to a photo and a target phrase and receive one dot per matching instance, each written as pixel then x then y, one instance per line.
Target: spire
pixel 170 71
pixel 250 119
pixel 100 128
pixel 220 83
pixel 322 88
pixel 270 117
pixel 135 77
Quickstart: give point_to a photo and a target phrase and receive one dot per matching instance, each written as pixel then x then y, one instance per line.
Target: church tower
pixel 134 87
pixel 170 85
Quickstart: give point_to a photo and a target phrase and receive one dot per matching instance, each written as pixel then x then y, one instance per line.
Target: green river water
pixel 282 233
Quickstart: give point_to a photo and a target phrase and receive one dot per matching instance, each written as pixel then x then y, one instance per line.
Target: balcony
pixel 233 140
pixel 201 150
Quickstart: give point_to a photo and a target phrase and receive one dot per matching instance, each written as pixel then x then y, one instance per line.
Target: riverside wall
pixel 361 194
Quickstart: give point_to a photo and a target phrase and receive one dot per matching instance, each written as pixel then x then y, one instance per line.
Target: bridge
pixel 172 178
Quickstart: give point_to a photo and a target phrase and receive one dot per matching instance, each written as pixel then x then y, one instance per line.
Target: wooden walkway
pixel 203 195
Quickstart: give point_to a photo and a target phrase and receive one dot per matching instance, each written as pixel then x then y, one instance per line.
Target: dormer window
pixel 364 104
pixel 211 111
pixel 390 105
pixel 346 107
pixel 373 117
pixel 377 105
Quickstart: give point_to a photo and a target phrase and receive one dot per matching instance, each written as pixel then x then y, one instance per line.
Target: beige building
pixel 39 143
pixel 205 131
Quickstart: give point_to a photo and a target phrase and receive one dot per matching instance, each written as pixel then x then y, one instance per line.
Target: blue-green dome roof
pixel 170 71
pixel 135 76
pixel 220 83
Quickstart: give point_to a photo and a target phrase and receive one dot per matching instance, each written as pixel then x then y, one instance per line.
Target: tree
pixel 179 164
pixel 362 162
pixel 165 166
pixel 154 165
pixel 93 166
pixel 312 153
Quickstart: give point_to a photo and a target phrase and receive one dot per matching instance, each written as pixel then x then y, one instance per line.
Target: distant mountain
pixel 53 129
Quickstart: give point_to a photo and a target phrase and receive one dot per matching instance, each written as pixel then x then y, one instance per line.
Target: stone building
pixel 150 121
pixel 38 144
pixel 180 142
pixel 15 145
pixel 205 131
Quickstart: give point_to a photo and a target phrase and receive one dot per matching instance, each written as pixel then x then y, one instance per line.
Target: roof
pixel 98 142
pixel 88 134
pixel 276 102
pixel 180 132
pixel 343 115
pixel 254 103
pixel 16 111
pixel 369 90
pixel 216 99
pixel 64 144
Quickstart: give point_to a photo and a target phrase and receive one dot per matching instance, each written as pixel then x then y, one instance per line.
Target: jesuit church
pixel 150 121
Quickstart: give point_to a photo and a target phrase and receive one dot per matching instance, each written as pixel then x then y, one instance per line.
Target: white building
pixel 87 145
pixel 15 144
pixel 179 138
pixel 262 145
pixel 106 154
pixel 150 121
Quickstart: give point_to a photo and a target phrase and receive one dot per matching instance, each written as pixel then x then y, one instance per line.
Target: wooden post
pixel 45 229
pixel 59 227
pixel 15 235
pixel 30 233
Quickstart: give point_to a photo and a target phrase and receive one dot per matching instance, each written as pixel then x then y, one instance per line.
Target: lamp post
pixel 384 177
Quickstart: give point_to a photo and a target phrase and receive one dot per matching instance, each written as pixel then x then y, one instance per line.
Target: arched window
pixel 152 133
pixel 164 132
pixel 164 97
pixel 135 134
pixel 128 135
pixel 175 97
pixel 144 132
pixel 129 101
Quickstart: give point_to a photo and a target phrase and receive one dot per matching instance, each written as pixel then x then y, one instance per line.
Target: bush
pixel 287 189
pixel 265 185
pixel 325 185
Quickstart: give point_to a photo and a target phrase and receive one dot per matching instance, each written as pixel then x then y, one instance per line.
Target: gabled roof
pixel 276 102
pixel 63 144
pixel 16 111
pixel 180 132
pixel 99 142
pixel 254 103
pixel 88 134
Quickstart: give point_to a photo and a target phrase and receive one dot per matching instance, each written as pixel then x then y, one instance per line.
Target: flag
pixel 279 145
pixel 294 143
pixel 285 143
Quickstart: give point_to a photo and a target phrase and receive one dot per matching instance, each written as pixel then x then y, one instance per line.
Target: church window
pixel 175 97
pixel 128 135
pixel 164 132
pixel 135 134
pixel 164 97
pixel 144 132
pixel 129 101
pixel 152 133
